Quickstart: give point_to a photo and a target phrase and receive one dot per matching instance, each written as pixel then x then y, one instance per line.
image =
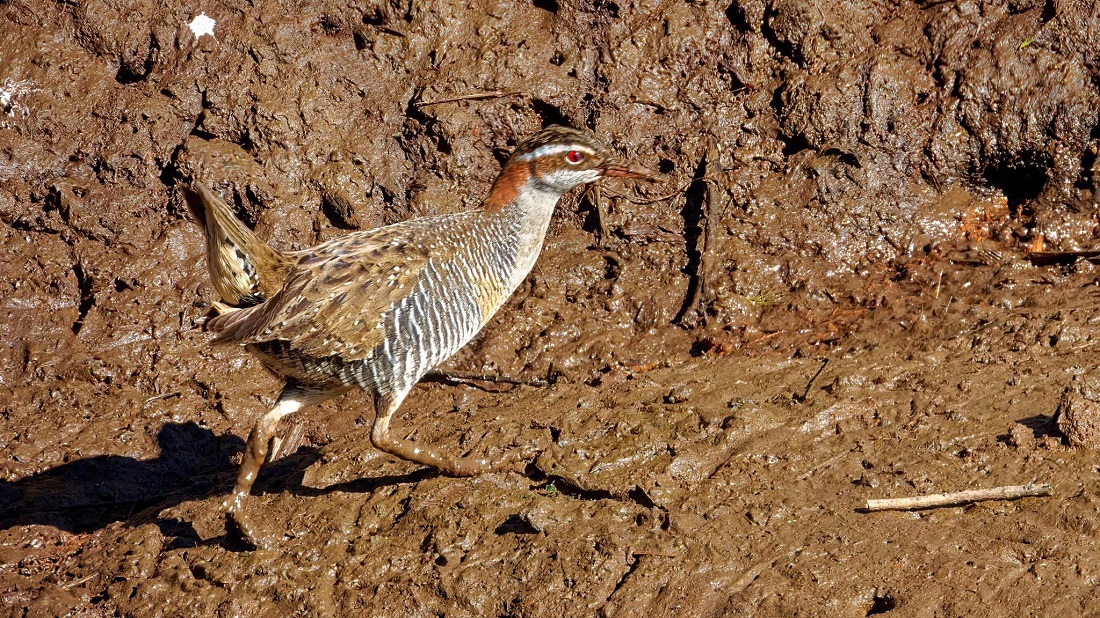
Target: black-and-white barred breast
pixel 460 288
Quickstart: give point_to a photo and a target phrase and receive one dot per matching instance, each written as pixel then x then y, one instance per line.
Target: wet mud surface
pixel 827 298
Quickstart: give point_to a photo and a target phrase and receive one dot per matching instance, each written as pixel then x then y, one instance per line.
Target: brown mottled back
pixel 346 285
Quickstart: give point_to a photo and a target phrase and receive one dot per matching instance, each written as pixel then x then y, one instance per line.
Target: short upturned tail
pixel 245 271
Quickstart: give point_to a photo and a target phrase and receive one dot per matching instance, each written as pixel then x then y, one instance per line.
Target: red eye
pixel 574 156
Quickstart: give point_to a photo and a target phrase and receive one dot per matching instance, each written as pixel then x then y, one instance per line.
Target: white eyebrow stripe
pixel 553 149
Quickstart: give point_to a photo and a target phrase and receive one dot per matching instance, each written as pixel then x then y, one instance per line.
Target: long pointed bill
pixel 618 169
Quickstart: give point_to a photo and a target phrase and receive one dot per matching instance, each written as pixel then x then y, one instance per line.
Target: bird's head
pixel 556 160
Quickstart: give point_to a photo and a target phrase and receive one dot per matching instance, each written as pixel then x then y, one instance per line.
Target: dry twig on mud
pixel 679 192
pixel 1007 492
pixel 663 554
pixel 1051 258
pixel 75 583
pixel 495 94
pixel 595 197
pixel 462 376
pixel 805 394
pixel 162 396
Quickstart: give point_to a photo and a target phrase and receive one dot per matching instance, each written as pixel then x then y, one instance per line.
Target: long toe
pixel 515 459
pixel 465 466
pixel 240 532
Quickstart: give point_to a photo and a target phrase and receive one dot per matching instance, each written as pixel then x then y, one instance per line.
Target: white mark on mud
pixel 10 91
pixel 202 25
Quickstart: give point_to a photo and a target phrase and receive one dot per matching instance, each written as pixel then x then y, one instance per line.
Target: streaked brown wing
pixel 334 298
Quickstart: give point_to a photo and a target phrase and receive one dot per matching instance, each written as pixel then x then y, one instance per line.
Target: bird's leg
pixel 255 452
pixel 383 440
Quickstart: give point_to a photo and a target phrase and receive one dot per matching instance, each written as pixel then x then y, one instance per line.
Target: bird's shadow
pixel 194 463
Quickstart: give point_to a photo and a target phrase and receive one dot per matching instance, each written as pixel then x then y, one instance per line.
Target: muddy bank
pixel 826 299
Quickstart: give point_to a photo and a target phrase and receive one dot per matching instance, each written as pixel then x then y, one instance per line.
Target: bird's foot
pixel 447 464
pixel 510 460
pixel 241 530
pixel 464 466
pixel 515 459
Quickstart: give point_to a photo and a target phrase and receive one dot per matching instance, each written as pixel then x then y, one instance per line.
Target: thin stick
pixel 162 396
pixel 461 376
pixel 1047 258
pixel 74 584
pixel 495 94
pixel 1007 492
pixel 677 193
pixel 663 554
pixel 595 197
pixel 801 398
